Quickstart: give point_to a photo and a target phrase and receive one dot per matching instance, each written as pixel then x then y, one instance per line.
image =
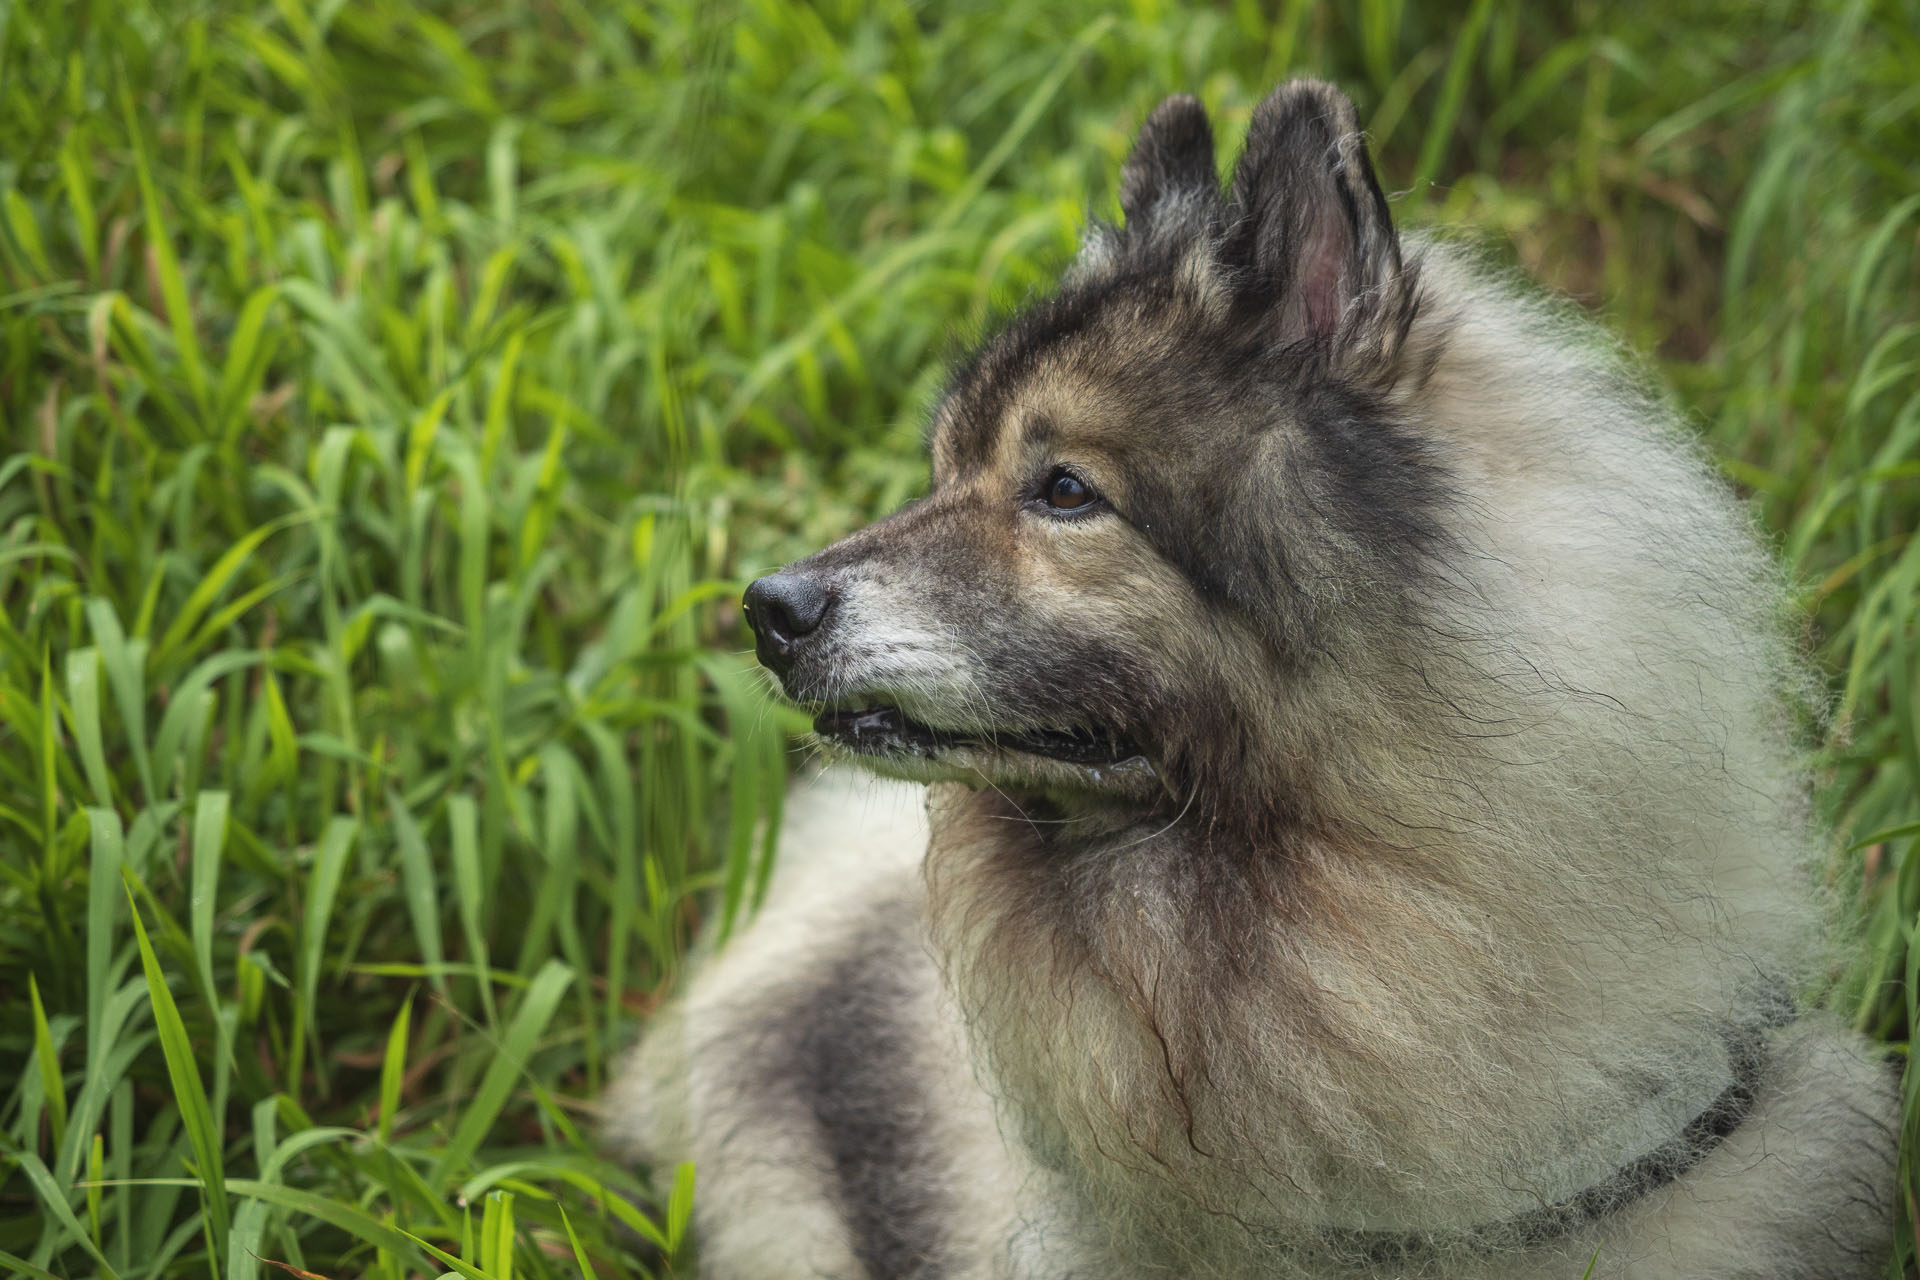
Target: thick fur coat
pixel 1363 834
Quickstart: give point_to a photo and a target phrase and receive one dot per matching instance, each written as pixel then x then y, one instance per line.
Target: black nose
pixel 784 609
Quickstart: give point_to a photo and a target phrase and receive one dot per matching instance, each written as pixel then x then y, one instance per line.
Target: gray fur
pixel 1447 856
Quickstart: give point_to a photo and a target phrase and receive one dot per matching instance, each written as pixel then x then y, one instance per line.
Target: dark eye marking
pixel 1065 492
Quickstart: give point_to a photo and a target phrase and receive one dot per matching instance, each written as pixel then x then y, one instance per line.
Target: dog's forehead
pixel 995 428
pixel 1074 372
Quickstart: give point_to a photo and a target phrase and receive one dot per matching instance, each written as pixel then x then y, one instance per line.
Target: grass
pixel 396 397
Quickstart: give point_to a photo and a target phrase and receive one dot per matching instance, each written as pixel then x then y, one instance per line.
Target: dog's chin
pixel 1075 762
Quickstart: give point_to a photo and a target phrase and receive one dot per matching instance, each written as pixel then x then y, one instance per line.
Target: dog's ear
pixel 1170 173
pixel 1169 194
pixel 1309 229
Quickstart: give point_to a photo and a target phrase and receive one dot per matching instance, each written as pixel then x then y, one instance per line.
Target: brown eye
pixel 1068 492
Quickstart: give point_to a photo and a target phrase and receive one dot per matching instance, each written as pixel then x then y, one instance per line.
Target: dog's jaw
pixel 1080 764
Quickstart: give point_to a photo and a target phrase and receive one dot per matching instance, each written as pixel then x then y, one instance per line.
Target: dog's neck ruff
pixel 1661 1167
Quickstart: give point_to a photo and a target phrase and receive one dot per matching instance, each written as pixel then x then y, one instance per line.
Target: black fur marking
pixel 846 1055
pixel 1334 507
pixel 1387 487
pixel 1173 157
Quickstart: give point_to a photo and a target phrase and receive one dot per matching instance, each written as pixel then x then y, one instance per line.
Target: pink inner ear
pixel 1318 279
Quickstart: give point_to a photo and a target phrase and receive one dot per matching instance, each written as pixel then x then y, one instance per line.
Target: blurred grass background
pixel 396 396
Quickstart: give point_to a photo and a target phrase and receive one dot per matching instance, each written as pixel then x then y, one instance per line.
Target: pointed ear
pixel 1310 228
pixel 1170 174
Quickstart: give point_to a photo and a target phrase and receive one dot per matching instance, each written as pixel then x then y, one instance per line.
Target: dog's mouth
pixel 885 731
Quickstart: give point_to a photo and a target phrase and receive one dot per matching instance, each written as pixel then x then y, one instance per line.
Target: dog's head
pixel 1155 495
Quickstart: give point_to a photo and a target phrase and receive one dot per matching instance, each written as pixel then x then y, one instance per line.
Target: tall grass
pixel 396 396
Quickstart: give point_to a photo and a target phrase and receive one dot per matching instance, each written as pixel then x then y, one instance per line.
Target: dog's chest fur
pixel 818 1074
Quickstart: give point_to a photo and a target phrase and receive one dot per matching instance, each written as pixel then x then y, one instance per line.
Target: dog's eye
pixel 1067 491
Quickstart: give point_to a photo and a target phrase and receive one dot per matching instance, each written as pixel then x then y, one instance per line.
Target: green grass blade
pixel 209 839
pixel 83 703
pixel 496 1235
pixel 240 376
pixel 75 170
pixel 169 652
pixel 20 1266
pixel 354 1221
pixel 680 1207
pixel 1453 87
pixel 463 826
pixel 52 1088
pixel 49 771
pixel 173 284
pixel 393 1070
pixel 515 1050
pixel 1872 258
pixel 189 1095
pixel 323 886
pixel 54 1202
pixel 417 879
pixel 103 897
pixel 580 1260
pixel 124 661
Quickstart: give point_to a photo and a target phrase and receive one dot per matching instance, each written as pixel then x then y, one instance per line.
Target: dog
pixel 1347 818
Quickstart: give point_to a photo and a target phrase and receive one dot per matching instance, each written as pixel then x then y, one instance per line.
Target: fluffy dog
pixel 1365 835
